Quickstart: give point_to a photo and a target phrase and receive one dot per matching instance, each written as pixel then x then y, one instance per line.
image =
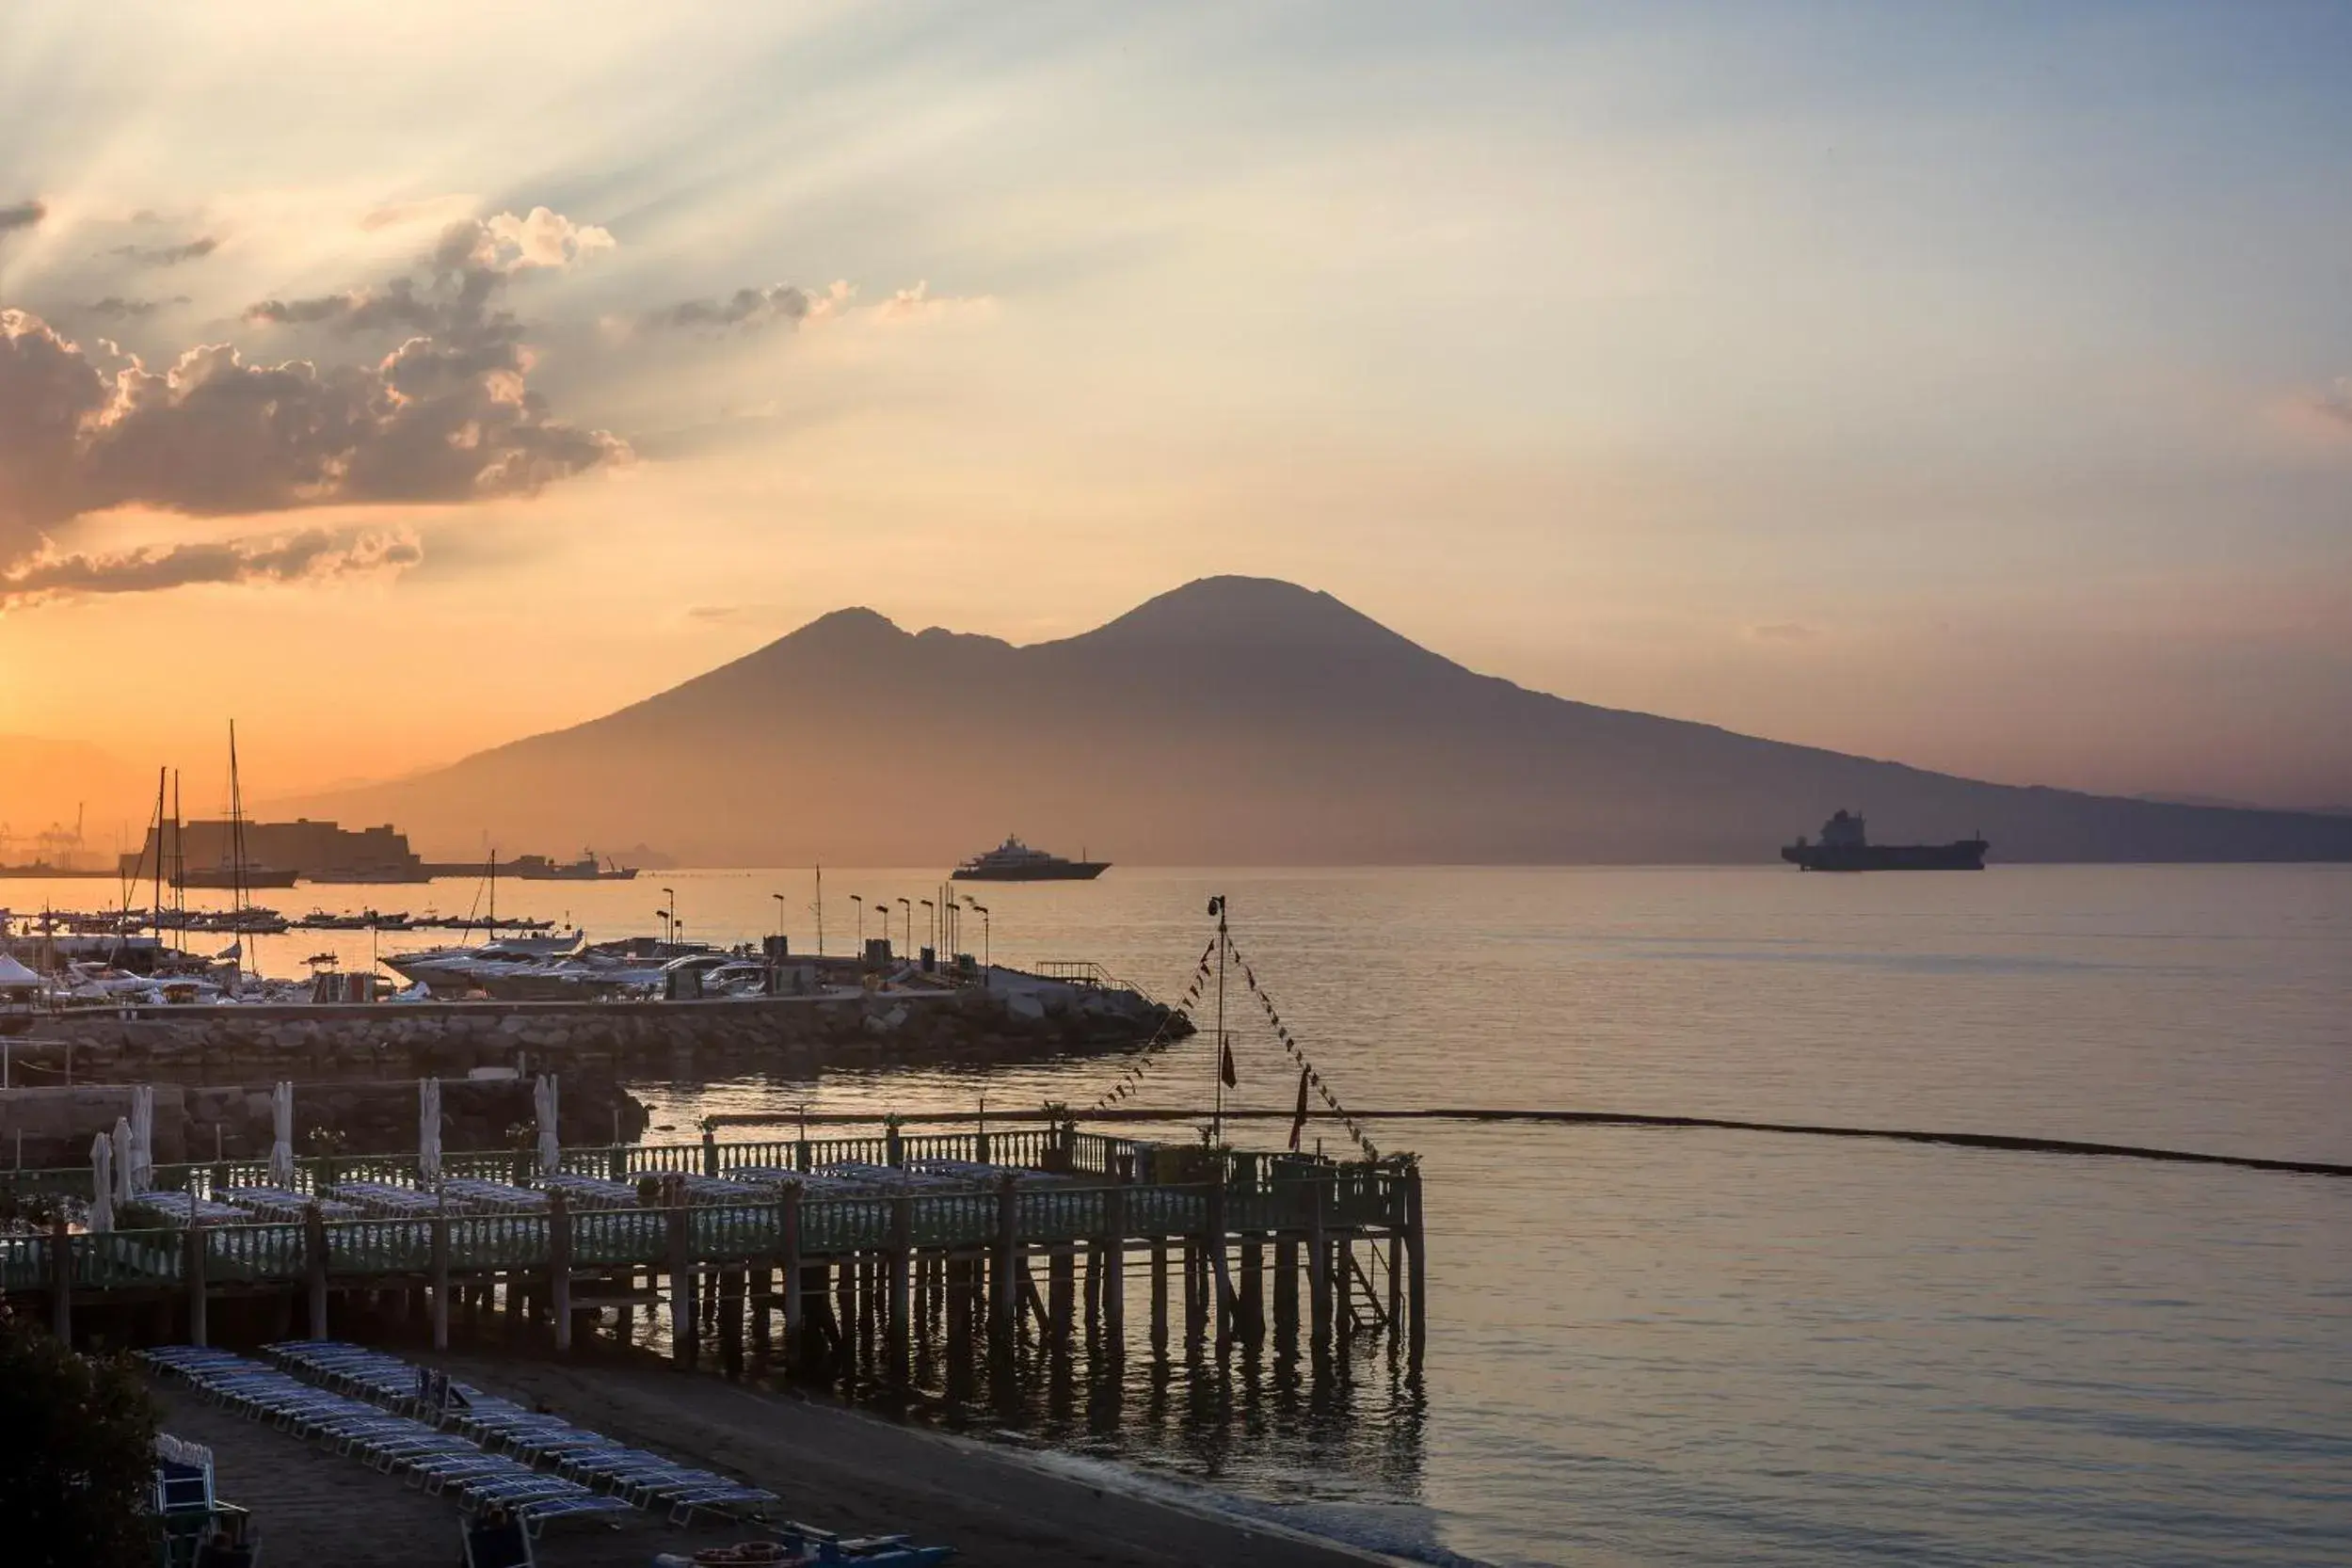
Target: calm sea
pixel 1687 1347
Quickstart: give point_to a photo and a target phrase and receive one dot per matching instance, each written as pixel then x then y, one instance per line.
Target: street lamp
pixel 910 926
pixel 859 900
pixel 987 948
pixel 671 894
pixel 930 923
pixel 779 913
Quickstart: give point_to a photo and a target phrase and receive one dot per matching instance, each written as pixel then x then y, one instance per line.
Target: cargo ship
pixel 539 868
pixel 1014 862
pixel 1844 847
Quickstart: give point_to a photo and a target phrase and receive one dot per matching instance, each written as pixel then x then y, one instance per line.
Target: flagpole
pixel 1217 1120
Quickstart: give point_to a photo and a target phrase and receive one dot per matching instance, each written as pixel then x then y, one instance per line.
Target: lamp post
pixel 910 926
pixel 859 900
pixel 931 916
pixel 987 948
pixel 671 913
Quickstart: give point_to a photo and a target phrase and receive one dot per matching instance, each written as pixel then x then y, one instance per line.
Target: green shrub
pixel 77 1456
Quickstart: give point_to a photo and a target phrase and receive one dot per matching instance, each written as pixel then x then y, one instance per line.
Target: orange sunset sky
pixel 404 381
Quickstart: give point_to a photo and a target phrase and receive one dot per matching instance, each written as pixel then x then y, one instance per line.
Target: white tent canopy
pixel 429 1128
pixel 281 1136
pixel 15 976
pixel 101 1183
pixel 550 1137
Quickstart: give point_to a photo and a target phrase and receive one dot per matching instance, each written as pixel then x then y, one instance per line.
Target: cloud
pixel 507 243
pixel 117 308
pixel 311 554
pixel 435 419
pixel 22 215
pixel 752 308
pixel 397 304
pixel 918 304
pixel 168 255
pixel 428 209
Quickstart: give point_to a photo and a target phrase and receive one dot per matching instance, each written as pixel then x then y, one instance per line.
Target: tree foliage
pixel 77 1457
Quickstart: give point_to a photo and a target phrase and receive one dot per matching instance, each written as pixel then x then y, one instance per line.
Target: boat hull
pixel 1068 871
pixel 1964 855
pixel 260 877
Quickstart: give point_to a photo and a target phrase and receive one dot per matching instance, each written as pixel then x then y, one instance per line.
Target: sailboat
pixel 236 871
pixel 459 969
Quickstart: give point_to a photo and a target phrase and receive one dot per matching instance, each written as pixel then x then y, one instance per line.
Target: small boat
pixel 539 868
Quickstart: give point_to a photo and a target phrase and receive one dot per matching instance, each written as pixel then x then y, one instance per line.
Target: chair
pixel 498 1541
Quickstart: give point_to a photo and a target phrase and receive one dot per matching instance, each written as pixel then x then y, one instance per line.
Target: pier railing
pixel 1092 1187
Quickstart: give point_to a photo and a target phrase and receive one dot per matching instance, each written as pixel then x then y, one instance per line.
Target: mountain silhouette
pixel 1232 721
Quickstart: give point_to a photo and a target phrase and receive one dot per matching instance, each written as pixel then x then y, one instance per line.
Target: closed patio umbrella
pixel 125 1159
pixel 142 1137
pixel 281 1136
pixel 101 1183
pixel 551 1138
pixel 429 1128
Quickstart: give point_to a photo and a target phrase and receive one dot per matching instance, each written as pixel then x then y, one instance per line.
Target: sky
pixel 1970 386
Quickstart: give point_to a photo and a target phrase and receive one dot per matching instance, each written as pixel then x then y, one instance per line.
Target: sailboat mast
pixel 158 912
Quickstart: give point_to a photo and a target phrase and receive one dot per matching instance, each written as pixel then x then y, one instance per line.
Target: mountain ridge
pixel 1228 719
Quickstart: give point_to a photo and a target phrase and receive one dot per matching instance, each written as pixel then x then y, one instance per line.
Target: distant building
pixel 311 849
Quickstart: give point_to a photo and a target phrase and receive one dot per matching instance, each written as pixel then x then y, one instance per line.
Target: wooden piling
pixel 796 1309
pixel 1004 1328
pixel 1319 1273
pixel 898 1335
pixel 1252 1313
pixel 1417 1290
pixel 1158 1297
pixel 730 1295
pixel 195 1272
pixel 1220 1278
pixel 440 1282
pixel 685 1333
pixel 1061 1276
pixel 1195 1308
pixel 1113 1254
pixel 1286 1293
pixel 314 1267
pixel 559 1269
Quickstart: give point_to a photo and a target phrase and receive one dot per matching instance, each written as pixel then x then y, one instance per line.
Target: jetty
pixel 817 1253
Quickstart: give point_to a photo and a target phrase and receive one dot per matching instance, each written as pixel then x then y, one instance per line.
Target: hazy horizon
pixel 1814 372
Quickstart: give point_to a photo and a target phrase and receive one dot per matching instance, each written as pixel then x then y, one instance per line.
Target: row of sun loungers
pixel 503 1428
pixel 437 1460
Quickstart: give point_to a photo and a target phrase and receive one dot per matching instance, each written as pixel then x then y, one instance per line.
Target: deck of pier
pixel 816 1251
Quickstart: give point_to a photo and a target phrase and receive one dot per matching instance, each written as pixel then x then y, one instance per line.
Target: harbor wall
pixel 785 1035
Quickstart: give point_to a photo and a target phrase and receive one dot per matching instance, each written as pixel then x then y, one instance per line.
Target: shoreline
pixel 842 1467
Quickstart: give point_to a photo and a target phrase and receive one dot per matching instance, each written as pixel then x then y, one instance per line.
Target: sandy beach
pixel 832 1467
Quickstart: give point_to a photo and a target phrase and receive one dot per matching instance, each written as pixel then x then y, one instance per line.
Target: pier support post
pixel 795 1306
pixel 1252 1311
pixel 1343 1290
pixel 763 1307
pixel 314 1267
pixel 1286 1293
pixel 846 1309
pixel 61 1280
pixel 731 1304
pixel 899 1334
pixel 1114 1256
pixel 1220 1279
pixel 1318 1270
pixel 1061 1286
pixel 559 1269
pixel 195 1271
pixel 685 1332
pixel 1416 1287
pixel 440 1282
pixel 1195 1300
pixel 1003 1273
pixel 1158 1297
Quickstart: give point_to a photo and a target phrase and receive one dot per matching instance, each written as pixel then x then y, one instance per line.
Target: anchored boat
pixel 1014 862
pixel 1845 847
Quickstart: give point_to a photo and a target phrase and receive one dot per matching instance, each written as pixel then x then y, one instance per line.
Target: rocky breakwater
pixel 1016 1018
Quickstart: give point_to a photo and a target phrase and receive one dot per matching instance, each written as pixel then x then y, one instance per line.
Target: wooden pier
pixel 822 1253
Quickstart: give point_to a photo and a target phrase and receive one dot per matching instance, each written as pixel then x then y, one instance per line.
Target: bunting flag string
pixel 1131 1073
pixel 1310 1074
